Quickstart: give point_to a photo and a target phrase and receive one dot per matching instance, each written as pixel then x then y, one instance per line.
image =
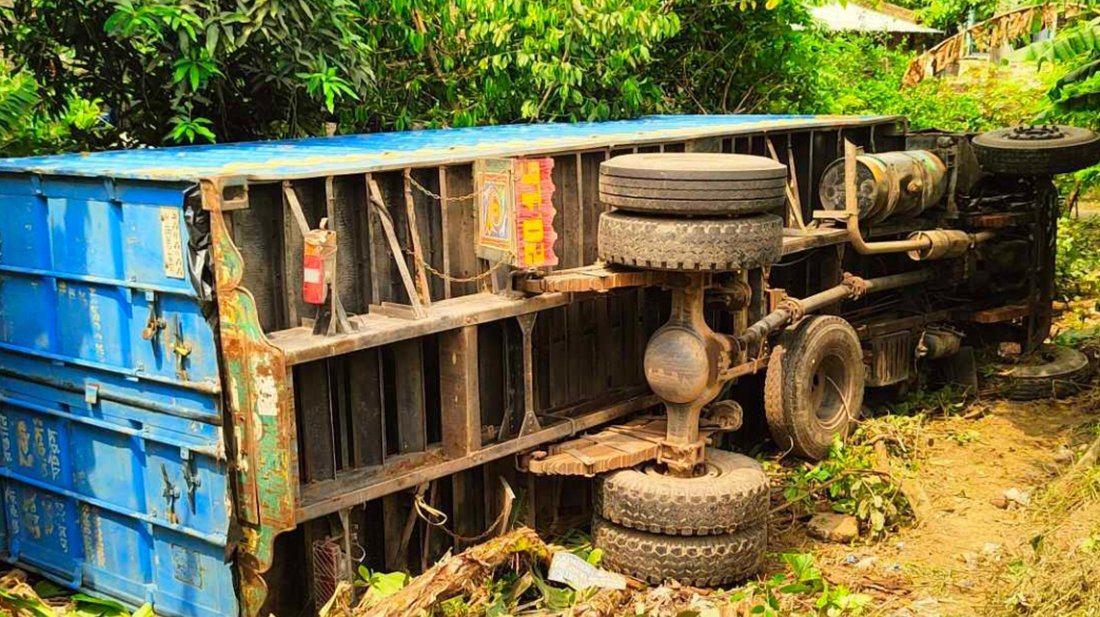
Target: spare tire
pixel 731 494
pixel 1051 371
pixel 693 166
pixel 697 244
pixel 700 561
pixel 693 183
pixel 1037 150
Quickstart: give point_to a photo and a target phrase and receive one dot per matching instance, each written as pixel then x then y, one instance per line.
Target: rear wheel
pixel 1051 371
pixel 731 493
pixel 813 390
pixel 700 561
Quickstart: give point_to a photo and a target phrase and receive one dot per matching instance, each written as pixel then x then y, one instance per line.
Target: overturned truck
pixel 230 374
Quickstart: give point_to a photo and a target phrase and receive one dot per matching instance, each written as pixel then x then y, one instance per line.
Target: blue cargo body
pixel 114 471
pixel 128 432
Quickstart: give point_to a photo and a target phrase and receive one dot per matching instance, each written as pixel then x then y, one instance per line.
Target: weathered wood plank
pixel 589 188
pixel 365 484
pixel 257 232
pixel 457 186
pixel 466 511
pixel 414 233
pixel 365 401
pixel 345 207
pixel 301 345
pixel 408 362
pixel 569 219
pixel 292 244
pixel 459 391
pixel 397 256
pixel 381 276
pixel 312 391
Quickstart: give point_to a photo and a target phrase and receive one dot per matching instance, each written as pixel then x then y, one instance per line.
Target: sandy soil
pixel 956 561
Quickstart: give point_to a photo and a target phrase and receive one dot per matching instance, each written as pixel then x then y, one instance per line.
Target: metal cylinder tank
pixel 889 184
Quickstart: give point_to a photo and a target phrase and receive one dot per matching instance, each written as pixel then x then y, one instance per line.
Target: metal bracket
pixel 191 479
pixel 530 420
pixel 155 323
pixel 171 494
pixel 395 247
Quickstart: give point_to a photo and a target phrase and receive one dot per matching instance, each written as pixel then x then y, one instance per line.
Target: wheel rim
pixel 1042 132
pixel 704 470
pixel 829 384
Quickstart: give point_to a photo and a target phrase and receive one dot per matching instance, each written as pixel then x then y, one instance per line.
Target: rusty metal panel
pixel 258 402
pixel 891 358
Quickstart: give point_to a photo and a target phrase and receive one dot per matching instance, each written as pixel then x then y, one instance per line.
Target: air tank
pixel 889 184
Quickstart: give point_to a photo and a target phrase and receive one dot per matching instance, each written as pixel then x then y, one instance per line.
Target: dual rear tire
pixel 705 531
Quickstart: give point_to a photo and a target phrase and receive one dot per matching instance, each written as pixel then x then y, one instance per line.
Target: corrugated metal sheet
pixel 321 156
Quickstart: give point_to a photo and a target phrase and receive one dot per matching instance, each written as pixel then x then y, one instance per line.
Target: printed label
pixel 171 242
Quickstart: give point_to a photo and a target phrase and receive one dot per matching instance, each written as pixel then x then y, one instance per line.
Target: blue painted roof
pixel 343 154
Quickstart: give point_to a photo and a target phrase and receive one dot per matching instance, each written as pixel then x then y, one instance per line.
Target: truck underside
pixel 380 358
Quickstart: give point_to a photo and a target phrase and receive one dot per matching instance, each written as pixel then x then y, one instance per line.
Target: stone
pixel 833 527
pixel 1063 455
pixel 1018 497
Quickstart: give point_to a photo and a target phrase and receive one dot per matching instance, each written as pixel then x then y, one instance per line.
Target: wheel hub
pixel 677 365
pixel 1043 132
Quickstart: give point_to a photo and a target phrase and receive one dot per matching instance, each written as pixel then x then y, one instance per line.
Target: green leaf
pixel 94 602
pixel 48 589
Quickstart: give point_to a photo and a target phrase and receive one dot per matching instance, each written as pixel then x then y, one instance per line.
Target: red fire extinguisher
pixel 319 255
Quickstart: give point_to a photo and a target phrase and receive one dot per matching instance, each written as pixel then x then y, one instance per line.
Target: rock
pixel 1018 497
pixel 833 527
pixel 865 564
pixel 1063 455
pixel 1000 502
pixel 970 558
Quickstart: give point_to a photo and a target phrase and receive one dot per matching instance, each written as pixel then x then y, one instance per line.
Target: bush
pixel 861 75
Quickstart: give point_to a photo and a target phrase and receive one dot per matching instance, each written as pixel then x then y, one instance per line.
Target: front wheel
pixel 813 390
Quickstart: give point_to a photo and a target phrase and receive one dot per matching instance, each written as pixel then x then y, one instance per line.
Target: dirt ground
pixel 966 555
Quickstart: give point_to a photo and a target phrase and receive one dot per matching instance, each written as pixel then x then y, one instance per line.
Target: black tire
pixel 813 390
pixel 698 244
pixel 732 494
pixel 732 197
pixel 658 186
pixel 1037 151
pixel 693 166
pixel 731 207
pixel 699 561
pixel 1052 372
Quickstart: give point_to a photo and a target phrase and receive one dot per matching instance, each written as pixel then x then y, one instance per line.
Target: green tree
pixel 1074 98
pixel 190 69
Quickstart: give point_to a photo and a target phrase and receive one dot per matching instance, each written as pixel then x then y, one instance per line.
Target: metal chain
pixel 437 196
pixel 450 278
pixel 427 266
